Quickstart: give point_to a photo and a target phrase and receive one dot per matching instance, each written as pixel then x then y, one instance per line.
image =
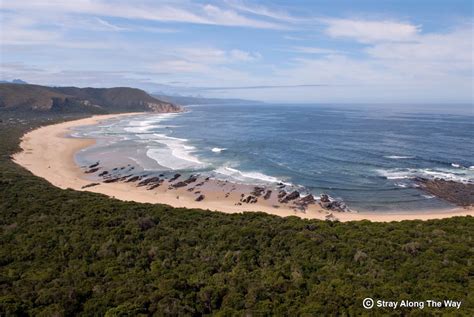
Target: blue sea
pixel 366 155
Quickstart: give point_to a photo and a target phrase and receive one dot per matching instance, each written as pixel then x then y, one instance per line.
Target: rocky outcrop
pixel 249 199
pixel 332 204
pixel 149 181
pixel 461 194
pixel 267 195
pixel 292 196
pixel 186 182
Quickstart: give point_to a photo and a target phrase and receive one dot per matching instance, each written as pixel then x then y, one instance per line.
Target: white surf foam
pixel 148 123
pixel 401 185
pixel 463 176
pixel 398 157
pixel 455 165
pixel 175 154
pixel 218 149
pixel 248 176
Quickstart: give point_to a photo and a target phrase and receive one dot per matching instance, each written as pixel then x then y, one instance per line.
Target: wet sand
pixel 48 152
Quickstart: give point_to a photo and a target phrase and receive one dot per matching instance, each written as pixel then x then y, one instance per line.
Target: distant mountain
pixel 14 81
pixel 73 99
pixel 190 100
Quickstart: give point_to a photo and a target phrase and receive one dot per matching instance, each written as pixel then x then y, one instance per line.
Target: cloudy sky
pixel 303 51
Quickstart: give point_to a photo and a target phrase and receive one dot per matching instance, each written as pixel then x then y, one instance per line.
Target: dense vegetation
pixel 75 253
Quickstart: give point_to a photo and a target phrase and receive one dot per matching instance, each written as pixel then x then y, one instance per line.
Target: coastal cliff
pixel 24 97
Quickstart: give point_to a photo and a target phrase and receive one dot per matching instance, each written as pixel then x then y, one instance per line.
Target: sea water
pixel 366 155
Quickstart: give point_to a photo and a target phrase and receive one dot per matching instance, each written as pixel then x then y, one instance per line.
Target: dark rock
pixel 103 173
pixel 148 181
pixel 191 179
pixel 325 198
pixel 179 184
pixel 249 199
pixel 335 205
pixel 339 206
pixel 309 199
pixel 133 179
pixel 90 185
pixel 188 181
pixel 305 201
pixel 258 191
pixel 281 194
pixel 461 194
pixel 112 180
pixel 94 165
pixel 200 197
pixel 154 186
pixel 92 170
pixel 295 194
pixel 175 177
pixel 268 194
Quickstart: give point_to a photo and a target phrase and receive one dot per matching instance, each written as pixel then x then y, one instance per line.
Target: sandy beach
pixel 48 152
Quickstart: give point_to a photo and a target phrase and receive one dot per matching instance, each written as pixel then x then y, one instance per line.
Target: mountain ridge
pixel 27 97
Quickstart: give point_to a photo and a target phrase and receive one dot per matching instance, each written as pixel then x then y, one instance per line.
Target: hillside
pixel 73 99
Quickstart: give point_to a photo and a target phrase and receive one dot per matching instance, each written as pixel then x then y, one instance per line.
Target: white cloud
pixel 263 11
pixel 370 31
pixel 18 30
pixel 451 46
pixel 142 10
pixel 313 50
pixel 212 56
pixel 238 55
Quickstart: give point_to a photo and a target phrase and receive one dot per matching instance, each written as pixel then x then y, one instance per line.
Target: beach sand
pixel 48 152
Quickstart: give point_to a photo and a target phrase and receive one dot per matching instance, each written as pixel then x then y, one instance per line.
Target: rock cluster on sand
pixel 190 180
pixel 331 204
pixel 293 198
pixel 249 199
pixel 90 185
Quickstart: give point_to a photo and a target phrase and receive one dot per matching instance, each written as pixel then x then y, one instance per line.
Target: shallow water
pixel 365 155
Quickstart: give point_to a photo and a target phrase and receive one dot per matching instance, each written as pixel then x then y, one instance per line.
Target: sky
pixel 334 51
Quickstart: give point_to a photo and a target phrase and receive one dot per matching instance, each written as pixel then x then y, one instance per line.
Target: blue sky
pixel 303 51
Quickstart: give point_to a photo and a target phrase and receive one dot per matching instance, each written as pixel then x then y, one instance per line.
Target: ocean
pixel 366 155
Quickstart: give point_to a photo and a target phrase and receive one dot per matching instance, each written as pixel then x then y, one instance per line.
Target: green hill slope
pixel 87 100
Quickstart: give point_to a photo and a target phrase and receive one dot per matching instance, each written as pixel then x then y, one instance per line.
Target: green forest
pixel 69 253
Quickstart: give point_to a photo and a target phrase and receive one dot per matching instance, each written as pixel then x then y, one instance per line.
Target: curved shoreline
pixel 47 152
